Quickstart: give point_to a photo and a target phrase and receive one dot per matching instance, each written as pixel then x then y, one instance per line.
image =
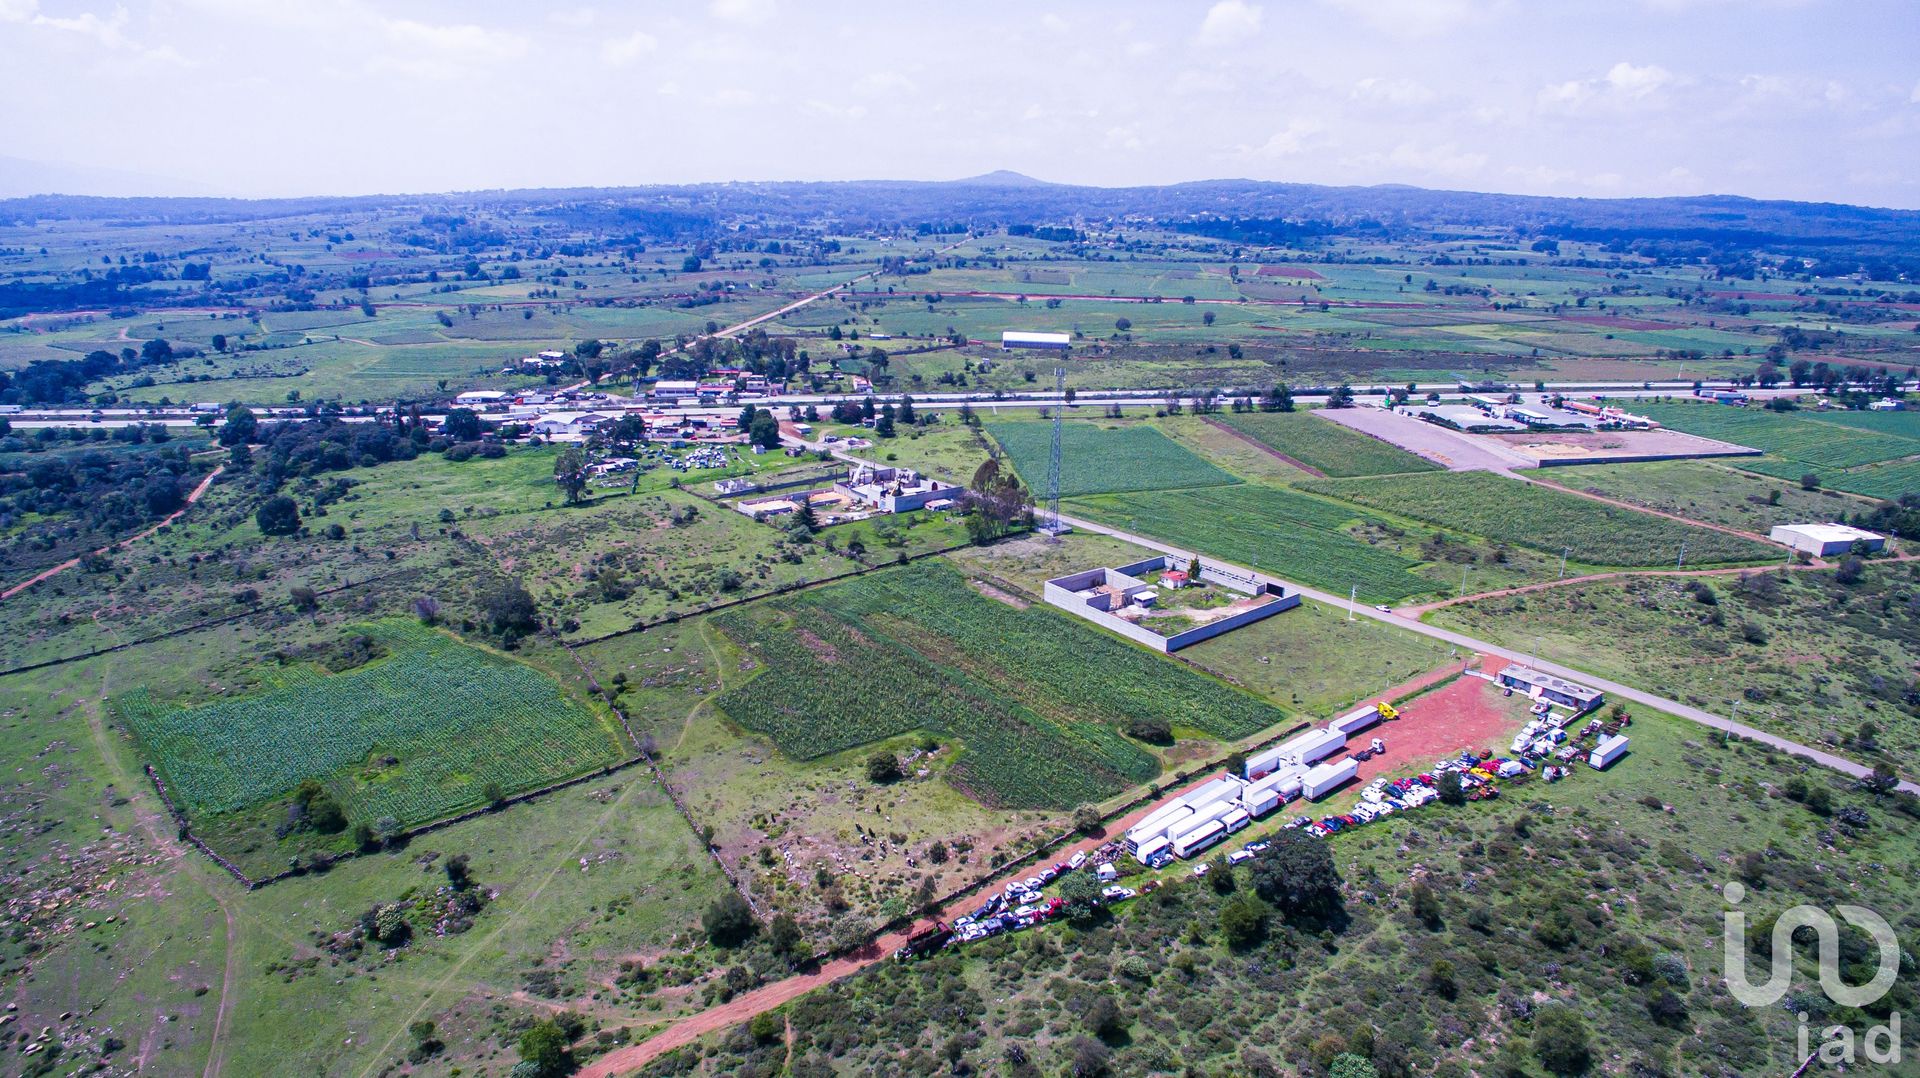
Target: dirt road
pixel 745 1006
pixel 71 562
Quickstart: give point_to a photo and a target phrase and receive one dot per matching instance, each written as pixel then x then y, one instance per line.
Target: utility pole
pixel 1463 582
pixel 1682 562
pixel 1351 596
pixel 1053 457
pixel 1563 561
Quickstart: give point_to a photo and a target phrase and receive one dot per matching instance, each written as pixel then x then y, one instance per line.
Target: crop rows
pixel 1507 510
pixel 1097 459
pixel 1035 699
pixel 454 719
pixel 1888 481
pixel 1273 530
pixel 1801 438
pixel 1323 444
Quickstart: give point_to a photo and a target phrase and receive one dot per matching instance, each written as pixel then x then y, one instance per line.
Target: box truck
pixel 1607 751
pixel 1327 778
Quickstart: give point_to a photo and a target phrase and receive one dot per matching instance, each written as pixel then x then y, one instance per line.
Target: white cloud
pixel 1054 23
pixel 1289 140
pixel 742 12
pixel 457 39
pixel 1638 81
pixel 18 10
pixel 578 18
pixel 622 51
pixel 1442 159
pixel 1914 97
pixel 1230 21
pixel 1392 91
pixel 1123 138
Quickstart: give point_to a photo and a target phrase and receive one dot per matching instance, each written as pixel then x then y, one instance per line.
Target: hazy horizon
pixel 1809 100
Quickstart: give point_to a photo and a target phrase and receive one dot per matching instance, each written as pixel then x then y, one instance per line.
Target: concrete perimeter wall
pixel 1063 592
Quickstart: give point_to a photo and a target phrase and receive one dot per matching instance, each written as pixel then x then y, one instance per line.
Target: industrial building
pixel 1013 338
pixel 1544 686
pixel 673 389
pixel 1462 418
pixel 1822 540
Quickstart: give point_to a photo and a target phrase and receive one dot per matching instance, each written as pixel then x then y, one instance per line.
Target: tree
pixel 1081 892
pixel 1560 1040
pixel 1104 1019
pixel 278 515
pixel 1086 820
pixel 219 342
pixel 764 431
pixel 459 872
pixel 1341 397
pixel 883 424
pixel 240 427
pixel 1123 324
pixel 1243 920
pixel 1451 792
pixel 1349 1065
pixel 462 425
pixel 1851 570
pixel 783 934
pixel 1206 319
pixel 510 609
pixel 1810 481
pixel 905 412
pixel 1153 729
pixel 728 920
pixel 1440 977
pixel 570 472
pixel 1297 874
pixel 1426 905
pixel 883 767
pixel 544 1045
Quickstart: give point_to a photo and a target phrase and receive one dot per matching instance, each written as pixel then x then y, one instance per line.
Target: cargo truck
pixel 1607 751
pixel 1326 778
pixel 924 940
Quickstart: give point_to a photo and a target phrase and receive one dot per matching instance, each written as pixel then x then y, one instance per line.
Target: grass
pixel 1506 510
pixel 1709 493
pixel 1276 531
pixel 1797 653
pixel 1036 700
pixel 415 735
pixel 1100 458
pixel 1323 445
pixel 1313 659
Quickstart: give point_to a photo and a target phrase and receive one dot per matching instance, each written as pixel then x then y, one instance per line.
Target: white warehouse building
pixel 1822 540
pixel 1013 338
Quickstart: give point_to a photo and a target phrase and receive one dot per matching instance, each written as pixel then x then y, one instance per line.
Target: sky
pixel 1802 99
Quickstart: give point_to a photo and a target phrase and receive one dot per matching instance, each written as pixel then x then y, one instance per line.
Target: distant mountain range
pixel 1232 209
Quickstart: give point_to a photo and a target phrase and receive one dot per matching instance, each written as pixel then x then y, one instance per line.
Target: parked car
pixel 1239 857
pixel 1201 869
pixel 1117 893
pixel 1256 847
pixel 1079 858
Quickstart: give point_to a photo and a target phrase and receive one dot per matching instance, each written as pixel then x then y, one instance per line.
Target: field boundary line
pixel 1619 504
pixel 1264 447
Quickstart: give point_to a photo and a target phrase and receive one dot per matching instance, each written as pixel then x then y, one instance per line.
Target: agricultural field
pixel 1810 441
pixel 1507 510
pixel 947 450
pixel 1416 989
pixel 1709 493
pixel 425 726
pixel 1103 457
pixel 1037 702
pixel 1325 447
pixel 1797 653
pixel 1276 531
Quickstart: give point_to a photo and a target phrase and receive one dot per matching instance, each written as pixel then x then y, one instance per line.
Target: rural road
pixel 766 997
pixel 170 518
pixel 1614 688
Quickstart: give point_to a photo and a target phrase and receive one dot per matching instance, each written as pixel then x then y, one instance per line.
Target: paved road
pixel 1614 688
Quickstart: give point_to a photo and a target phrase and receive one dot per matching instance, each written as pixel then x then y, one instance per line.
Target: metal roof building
pixel 1013 338
pixel 1821 540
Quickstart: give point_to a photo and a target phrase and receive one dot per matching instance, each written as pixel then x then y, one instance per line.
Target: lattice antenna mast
pixel 1053 456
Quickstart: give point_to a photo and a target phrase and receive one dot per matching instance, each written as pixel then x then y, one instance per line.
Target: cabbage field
pixel 1271 529
pixel 416 735
pixel 1036 700
pixel 1099 458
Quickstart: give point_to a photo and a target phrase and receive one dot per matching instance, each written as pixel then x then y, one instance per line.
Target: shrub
pixel 883 767
pixel 1560 1040
pixel 728 921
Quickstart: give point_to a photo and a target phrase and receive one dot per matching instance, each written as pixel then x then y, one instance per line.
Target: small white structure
pixel 1887 404
pixel 568 424
pixel 1820 540
pixel 1013 338
pixel 482 398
